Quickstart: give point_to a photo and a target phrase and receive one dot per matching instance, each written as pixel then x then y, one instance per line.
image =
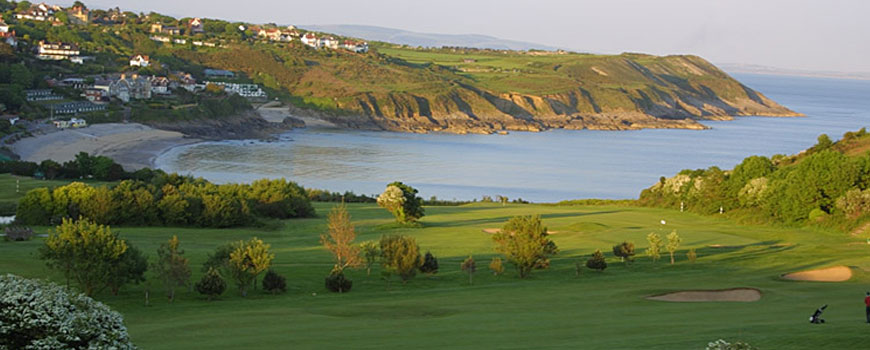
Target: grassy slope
pixel 552 309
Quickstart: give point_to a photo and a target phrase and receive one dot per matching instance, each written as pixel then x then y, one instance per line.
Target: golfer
pixel 867 304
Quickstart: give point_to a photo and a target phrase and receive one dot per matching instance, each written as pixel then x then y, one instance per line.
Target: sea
pixel 547 166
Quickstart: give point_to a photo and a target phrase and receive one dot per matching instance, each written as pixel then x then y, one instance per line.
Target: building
pixel 164 29
pixel 309 39
pixel 79 15
pixel 186 81
pixel 41 12
pixel 95 95
pixel 244 90
pixel 140 61
pixel 328 42
pixel 74 122
pixel 81 59
pixel 56 51
pixel 273 34
pixel 4 28
pixel 195 26
pixel 6 35
pixel 355 46
pixel 130 87
pixel 76 108
pixel 179 41
pixel 161 39
pixel 159 85
pixel 218 73
pixel 41 95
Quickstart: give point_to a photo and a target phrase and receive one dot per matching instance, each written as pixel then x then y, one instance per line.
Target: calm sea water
pixel 541 167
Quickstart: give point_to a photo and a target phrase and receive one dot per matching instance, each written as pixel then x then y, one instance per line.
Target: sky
pixel 820 35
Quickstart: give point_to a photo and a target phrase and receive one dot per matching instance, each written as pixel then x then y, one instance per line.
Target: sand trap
pixel 690 296
pixel 830 274
pixel 497 230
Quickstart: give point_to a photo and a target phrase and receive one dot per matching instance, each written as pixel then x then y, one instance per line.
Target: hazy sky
pixel 831 35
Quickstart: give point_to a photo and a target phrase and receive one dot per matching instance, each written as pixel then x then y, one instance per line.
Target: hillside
pixel 394 87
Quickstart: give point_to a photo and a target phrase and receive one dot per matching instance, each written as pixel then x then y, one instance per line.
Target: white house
pixel 328 42
pixel 56 51
pixel 140 61
pixel 159 85
pixel 4 28
pixel 355 46
pixel 309 39
pixel 196 26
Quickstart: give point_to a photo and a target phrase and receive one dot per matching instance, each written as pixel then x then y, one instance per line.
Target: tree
pixel 85 252
pixel 336 282
pixel 50 169
pixel 430 264
pixel 402 201
pixel 370 253
pixel 43 315
pixel 172 266
pixel 220 259
pixel 469 266
pixel 36 207
pixel 401 255
pixel 654 250
pixel 274 283
pixel 674 241
pixel 247 261
pixel 692 255
pixel 525 243
pixel 597 261
pixel 211 284
pixel 130 268
pixel 496 266
pixel 624 250
pixel 339 239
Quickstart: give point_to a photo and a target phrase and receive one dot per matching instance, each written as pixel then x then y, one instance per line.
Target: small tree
pixel 370 253
pixel 692 256
pixel 172 266
pixel 339 239
pixel 274 283
pixel 430 264
pixel 212 284
pixel 525 243
pixel 674 241
pixel 496 266
pixel 402 201
pixel 654 250
pixel 402 255
pixel 337 282
pixel 469 266
pixel 248 261
pixel 85 252
pixel 130 268
pixel 220 259
pixel 625 251
pixel 597 262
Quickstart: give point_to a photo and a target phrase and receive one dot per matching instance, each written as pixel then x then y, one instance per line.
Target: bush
pixel 336 282
pixel 597 262
pixel 18 233
pixel 624 250
pixel 274 283
pixel 496 266
pixel 430 264
pixel 42 315
pixel 402 255
pixel 724 345
pixel 212 284
pixel 692 255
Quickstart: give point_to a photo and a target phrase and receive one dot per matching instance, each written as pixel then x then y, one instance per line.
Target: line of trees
pixel 171 200
pixel 822 185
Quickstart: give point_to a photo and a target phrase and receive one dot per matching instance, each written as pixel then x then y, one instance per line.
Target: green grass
pixel 552 309
pixel 12 187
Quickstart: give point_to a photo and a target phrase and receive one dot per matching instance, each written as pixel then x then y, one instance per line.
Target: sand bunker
pixel 830 274
pixel 689 296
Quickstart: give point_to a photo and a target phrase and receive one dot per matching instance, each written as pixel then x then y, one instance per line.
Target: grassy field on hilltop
pixel 554 308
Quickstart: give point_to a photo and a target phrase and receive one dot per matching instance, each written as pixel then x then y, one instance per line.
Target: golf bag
pixel 817 316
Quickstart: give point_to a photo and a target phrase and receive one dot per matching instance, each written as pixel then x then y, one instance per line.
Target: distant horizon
pixel 790 35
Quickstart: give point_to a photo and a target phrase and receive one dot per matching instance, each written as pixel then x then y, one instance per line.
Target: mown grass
pixel 552 309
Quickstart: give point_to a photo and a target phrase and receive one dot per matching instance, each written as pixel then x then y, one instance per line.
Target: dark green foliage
pixel 430 264
pixel 212 284
pixel 401 255
pixel 413 206
pixel 525 243
pixel 624 250
pixel 336 282
pixel 597 261
pixel 275 283
pixel 130 268
pixel 219 259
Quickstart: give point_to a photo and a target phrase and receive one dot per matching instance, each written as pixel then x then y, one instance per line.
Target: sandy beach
pixel 132 145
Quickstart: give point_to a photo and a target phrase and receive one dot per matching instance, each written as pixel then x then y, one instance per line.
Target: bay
pixel 540 167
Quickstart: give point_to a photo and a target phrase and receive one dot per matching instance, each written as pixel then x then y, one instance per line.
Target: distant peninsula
pixel 172 73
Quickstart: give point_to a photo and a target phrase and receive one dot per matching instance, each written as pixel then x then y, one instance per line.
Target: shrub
pixel 525 243
pixel 430 264
pixel 211 284
pixel 691 255
pixel 18 233
pixel 624 250
pixel 597 262
pixel 496 266
pixel 400 254
pixel 336 282
pixel 274 283
pixel 43 315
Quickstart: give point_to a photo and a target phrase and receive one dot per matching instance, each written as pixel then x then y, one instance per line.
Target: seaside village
pixel 68 97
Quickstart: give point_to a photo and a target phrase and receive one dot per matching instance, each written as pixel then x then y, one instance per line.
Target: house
pixel 186 81
pixel 218 73
pixel 328 42
pixel 355 46
pixel 6 35
pixel 140 61
pixel 179 41
pixel 41 12
pixel 244 90
pixel 4 28
pixel 41 95
pixel 273 34
pixel 164 29
pixel 56 51
pixel 130 87
pixel 309 39
pixel 73 122
pixel 75 108
pixel 195 26
pixel 162 39
pixel 79 15
pixel 159 85
pixel 81 59
pixel 96 95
